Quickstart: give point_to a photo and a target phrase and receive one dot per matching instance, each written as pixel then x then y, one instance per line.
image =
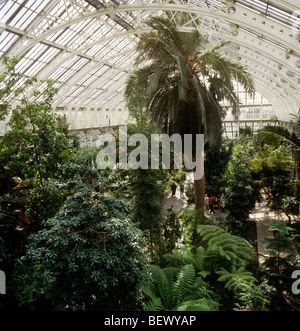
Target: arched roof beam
pixel 238 15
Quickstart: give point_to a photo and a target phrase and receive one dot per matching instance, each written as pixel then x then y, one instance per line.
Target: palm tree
pixel 186 81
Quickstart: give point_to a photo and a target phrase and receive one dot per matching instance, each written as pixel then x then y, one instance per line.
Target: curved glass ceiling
pixel 88 46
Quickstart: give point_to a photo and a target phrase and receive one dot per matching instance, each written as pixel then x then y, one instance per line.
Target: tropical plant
pixel 234 276
pixel 190 221
pixel 88 255
pixel 283 246
pixel 239 192
pixel 283 133
pixel 186 81
pixel 293 139
pixel 253 297
pixel 224 249
pixel 218 249
pixel 170 289
pixel 8 81
pixel 281 262
pixel 273 170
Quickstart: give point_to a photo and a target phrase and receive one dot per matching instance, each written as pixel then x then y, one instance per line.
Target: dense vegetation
pixel 81 238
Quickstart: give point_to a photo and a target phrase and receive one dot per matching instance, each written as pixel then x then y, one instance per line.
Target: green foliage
pixel 283 260
pixel 215 164
pixel 44 202
pixel 8 81
pixel 3 255
pixel 137 103
pixel 239 193
pixel 180 101
pixel 234 276
pixel 189 191
pixel 35 145
pixel 221 261
pixel 284 240
pixel 171 232
pixel 180 290
pixel 283 133
pixel 190 219
pixel 273 170
pixel 87 255
pixel 253 297
pixel 224 249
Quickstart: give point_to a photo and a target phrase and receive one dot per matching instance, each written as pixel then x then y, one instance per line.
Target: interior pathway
pixel 260 214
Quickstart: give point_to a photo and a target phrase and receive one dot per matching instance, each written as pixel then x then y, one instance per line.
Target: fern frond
pixel 184 283
pixel 199 305
pixel 154 304
pixel 163 284
pixel 234 276
pixel 232 248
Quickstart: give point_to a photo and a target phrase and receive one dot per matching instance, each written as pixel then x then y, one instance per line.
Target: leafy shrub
pixel 88 255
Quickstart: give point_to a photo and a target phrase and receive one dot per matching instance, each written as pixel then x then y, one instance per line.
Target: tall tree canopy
pixel 186 80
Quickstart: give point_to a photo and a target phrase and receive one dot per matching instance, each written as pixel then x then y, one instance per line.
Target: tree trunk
pixel 199 186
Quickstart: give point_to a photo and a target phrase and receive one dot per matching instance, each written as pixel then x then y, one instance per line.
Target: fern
pixel 234 277
pixel 222 246
pixel 168 289
pixel 154 304
pixel 199 305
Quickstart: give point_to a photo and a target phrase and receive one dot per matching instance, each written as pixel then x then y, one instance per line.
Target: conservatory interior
pixel 79 236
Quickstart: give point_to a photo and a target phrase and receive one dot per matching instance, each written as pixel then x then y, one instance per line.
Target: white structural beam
pixel 239 15
pixel 267 47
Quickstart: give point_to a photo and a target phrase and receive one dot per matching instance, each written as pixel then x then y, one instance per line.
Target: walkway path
pixel 260 215
pixel 177 202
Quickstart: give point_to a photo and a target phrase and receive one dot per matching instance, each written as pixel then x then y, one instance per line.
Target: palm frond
pixel 168 32
pixel 284 134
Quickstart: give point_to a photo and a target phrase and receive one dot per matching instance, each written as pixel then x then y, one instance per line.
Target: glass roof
pixel 88 46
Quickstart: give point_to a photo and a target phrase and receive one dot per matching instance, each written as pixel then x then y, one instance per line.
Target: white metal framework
pixel 88 47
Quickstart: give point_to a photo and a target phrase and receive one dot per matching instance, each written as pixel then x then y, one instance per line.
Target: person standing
pixel 173 187
pixel 206 201
pixel 211 204
pixel 181 187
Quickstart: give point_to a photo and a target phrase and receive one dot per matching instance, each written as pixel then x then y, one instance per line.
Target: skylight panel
pixel 36 51
pixel 113 95
pixel 100 71
pixel 86 81
pixel 21 19
pixel 119 75
pixel 8 10
pixel 7 39
pixel 66 75
pixel 76 91
pixel 35 4
pixel 95 50
pixel 23 65
pixel 67 101
pixel 66 37
pixel 79 64
pixel 107 84
pixel 35 69
pixel 49 55
pixel 57 73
